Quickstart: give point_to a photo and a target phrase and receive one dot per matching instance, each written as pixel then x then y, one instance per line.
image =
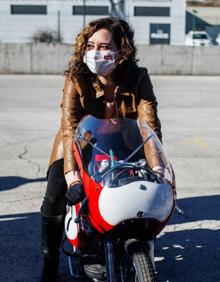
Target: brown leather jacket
pixel 86 97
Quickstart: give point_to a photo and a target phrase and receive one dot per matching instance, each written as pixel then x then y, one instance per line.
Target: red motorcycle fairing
pixel 92 190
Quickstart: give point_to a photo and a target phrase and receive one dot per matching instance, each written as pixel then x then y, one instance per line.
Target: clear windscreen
pixel 113 149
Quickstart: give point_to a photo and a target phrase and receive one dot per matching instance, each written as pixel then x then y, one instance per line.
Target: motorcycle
pixel 112 231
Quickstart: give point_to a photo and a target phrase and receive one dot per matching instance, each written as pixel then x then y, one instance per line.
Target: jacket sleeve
pixel 147 112
pixel 147 104
pixel 72 113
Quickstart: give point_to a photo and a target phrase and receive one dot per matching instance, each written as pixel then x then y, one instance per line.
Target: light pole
pixel 117 8
pixel 84 13
pixel 58 27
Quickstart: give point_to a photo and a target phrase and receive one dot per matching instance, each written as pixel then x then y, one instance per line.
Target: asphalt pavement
pixel 188 250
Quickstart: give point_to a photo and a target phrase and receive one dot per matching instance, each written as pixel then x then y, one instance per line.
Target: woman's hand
pixel 75 192
pixel 73 177
pixel 159 171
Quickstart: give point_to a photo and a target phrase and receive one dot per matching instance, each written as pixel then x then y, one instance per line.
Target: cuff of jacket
pixel 69 159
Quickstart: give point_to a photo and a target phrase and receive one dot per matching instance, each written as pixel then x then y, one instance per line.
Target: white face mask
pixel 100 62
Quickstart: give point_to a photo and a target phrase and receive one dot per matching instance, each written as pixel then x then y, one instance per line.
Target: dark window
pixel 152 11
pixel 199 36
pixel 90 10
pixel 159 33
pixel 28 9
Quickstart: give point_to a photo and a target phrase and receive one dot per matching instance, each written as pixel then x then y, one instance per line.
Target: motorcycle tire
pixel 136 265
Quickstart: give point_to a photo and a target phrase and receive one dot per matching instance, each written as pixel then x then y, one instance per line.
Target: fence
pixel 29 58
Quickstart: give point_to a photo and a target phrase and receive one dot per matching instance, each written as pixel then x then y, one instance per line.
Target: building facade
pixel 154 21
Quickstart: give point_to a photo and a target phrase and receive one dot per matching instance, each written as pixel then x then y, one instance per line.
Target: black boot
pixel 51 238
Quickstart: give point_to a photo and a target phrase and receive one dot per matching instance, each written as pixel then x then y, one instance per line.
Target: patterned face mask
pixel 100 62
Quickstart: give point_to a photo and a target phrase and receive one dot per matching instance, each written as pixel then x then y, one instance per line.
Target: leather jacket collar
pixel 99 92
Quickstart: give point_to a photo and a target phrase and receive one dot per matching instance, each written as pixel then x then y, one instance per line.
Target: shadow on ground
pixel 12 182
pixel 20 255
pixel 186 255
pixel 191 254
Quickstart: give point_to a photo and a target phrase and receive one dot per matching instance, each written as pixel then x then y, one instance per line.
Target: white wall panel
pixel 20 28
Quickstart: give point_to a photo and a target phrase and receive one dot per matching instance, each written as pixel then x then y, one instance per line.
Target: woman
pixel 103 80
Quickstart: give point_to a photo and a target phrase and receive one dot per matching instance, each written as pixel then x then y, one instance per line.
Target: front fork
pixel 109 259
pixel 150 250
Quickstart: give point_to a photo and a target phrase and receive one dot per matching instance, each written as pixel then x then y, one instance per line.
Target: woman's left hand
pixel 160 171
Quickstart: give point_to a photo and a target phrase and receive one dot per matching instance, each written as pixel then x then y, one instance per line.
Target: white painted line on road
pixel 13 218
pixel 201 224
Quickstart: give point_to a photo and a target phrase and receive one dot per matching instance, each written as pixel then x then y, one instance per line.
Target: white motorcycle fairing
pixel 139 199
pixel 71 228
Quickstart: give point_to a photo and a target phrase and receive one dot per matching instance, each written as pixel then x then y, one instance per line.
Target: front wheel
pixel 135 264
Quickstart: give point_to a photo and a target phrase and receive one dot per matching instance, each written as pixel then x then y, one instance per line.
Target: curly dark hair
pixel 123 36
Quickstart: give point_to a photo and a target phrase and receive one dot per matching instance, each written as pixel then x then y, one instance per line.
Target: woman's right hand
pixel 75 192
pixel 72 177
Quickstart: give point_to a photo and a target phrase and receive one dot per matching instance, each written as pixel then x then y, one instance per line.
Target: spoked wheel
pixel 135 264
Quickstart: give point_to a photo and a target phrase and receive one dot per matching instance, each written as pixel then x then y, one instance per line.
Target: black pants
pixel 54 202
